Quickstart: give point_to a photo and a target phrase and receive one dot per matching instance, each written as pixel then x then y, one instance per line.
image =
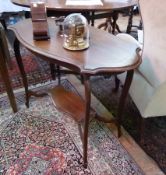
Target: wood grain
pixel 107 53
pixel 69 102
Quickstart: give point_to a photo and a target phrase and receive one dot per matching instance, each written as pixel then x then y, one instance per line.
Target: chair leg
pixel 130 21
pixel 103 25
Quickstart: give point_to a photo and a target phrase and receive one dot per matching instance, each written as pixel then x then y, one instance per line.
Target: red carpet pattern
pixel 37 70
pixel 44 140
pixel 32 145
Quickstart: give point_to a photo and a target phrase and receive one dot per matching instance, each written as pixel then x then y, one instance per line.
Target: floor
pixel 147 164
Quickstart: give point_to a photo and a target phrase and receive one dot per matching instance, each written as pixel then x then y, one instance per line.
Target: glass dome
pixel 76 32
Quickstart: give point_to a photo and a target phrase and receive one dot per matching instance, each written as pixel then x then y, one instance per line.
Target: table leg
pixel 92 18
pixel 115 16
pixel 6 79
pixel 52 68
pixel 86 122
pixel 123 96
pixel 58 72
pixel 21 68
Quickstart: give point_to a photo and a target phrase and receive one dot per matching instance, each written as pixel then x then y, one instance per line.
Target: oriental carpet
pixel 44 140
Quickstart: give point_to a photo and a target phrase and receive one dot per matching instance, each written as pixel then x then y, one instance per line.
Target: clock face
pixel 76 32
pixel 79 32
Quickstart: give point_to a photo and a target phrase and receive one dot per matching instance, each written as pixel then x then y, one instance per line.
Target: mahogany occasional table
pixel 107 54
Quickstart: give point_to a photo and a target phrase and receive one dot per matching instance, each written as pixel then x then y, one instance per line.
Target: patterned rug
pixel 44 140
pixel 37 70
pixel 155 130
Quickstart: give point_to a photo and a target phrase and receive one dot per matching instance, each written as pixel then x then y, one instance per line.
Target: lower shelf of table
pixel 68 102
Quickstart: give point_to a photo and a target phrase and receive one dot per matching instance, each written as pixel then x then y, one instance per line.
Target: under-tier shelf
pixel 68 102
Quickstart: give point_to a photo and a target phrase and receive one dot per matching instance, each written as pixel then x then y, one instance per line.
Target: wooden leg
pixel 53 71
pixel 109 24
pixel 86 123
pixel 123 96
pixel 58 72
pixel 88 16
pixel 103 25
pixel 114 24
pixel 130 20
pixel 117 83
pixel 92 18
pixel 21 68
pixel 6 79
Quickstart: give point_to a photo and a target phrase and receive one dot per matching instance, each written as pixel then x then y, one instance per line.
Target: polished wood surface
pixel 69 102
pixel 107 54
pixel 59 5
pixel 5 62
pixel 100 57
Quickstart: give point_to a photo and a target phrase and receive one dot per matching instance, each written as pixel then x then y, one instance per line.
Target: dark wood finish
pixel 58 74
pixel 86 122
pixel 7 82
pixel 101 57
pixel 28 93
pixel 130 22
pixel 59 5
pixel 122 100
pixel 117 83
pixel 4 61
pixel 107 54
pixel 69 102
pixel 110 23
pixel 39 21
pixel 53 71
pixel 2 20
pixel 21 68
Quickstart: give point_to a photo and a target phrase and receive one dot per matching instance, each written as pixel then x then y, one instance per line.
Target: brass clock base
pixel 75 48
